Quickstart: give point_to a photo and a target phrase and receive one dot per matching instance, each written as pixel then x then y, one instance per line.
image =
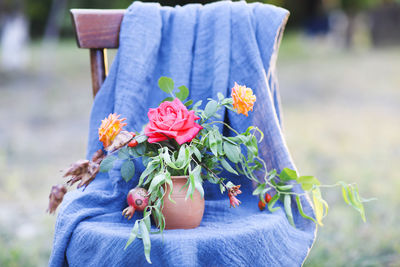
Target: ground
pixel 341 118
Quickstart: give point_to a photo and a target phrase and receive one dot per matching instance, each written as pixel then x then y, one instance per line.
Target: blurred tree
pixel 14 35
pixel 37 12
pixel 52 31
pixel 47 16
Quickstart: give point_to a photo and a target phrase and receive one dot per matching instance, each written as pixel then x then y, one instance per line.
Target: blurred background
pixel 339 72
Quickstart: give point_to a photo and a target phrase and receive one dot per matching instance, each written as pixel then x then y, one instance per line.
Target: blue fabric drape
pixel 207 48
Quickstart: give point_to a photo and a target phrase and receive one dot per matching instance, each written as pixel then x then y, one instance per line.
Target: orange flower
pixel 110 128
pixel 243 99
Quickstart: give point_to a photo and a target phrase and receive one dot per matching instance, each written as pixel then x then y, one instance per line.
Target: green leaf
pixel 271 175
pixel 218 138
pixel 160 219
pixel 227 101
pixel 320 205
pixel 183 93
pixel 107 163
pixel 211 108
pixel 188 103
pixel 198 104
pixel 151 166
pixel 196 152
pixel 222 188
pixel 288 174
pixel 166 84
pixel 146 160
pixel 158 179
pixel 285 187
pixel 288 209
pixel 256 129
pixel 229 140
pixel 133 153
pixel 127 170
pixel 213 143
pixel 168 181
pixel 123 153
pixel 133 234
pixel 191 187
pixel 229 184
pixel 260 188
pixel 183 156
pixel 307 182
pixel 300 207
pixel 167 159
pixel 232 152
pixel 146 220
pixel 227 166
pixel 197 180
pixel 141 138
pixel 272 202
pixel 344 192
pixel 140 149
pixel 220 96
pixel 252 148
pixel 351 197
pixel 146 240
pixel 170 99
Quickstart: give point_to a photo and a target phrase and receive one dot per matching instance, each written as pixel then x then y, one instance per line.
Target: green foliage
pixel 288 174
pixel 166 84
pixel 183 93
pixel 107 163
pixel 128 170
pixel 205 157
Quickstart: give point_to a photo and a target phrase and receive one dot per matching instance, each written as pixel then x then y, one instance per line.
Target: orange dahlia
pixel 243 99
pixel 110 128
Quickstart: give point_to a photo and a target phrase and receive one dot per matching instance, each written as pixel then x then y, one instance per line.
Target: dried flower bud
pixel 233 201
pixel 77 168
pixel 98 156
pixel 120 140
pixel 56 197
pixel 234 190
pixel 84 171
pixel 232 193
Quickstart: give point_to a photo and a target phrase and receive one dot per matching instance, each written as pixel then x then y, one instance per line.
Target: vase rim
pixel 180 177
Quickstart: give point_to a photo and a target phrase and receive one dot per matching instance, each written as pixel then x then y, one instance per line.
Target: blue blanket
pixel 207 48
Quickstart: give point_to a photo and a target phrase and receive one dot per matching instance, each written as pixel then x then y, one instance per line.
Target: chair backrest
pixel 97 30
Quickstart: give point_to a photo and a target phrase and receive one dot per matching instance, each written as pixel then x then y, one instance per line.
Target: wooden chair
pixel 97 30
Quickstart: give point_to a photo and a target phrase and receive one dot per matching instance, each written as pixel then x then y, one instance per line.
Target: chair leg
pixel 99 68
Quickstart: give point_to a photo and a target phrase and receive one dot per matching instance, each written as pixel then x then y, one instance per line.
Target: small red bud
pixel 267 197
pixel 133 134
pixel 133 143
pixel 261 205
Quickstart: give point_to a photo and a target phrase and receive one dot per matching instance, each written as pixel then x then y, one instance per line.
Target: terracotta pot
pixel 184 214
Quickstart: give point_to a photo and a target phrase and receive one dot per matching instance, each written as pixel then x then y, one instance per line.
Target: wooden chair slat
pixel 97 29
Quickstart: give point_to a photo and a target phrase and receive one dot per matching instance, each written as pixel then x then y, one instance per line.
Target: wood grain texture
pixel 97 28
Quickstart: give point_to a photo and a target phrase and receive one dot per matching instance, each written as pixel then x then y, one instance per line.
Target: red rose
pixel 171 120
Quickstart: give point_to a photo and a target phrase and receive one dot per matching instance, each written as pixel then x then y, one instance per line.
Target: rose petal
pixel 189 123
pixel 157 139
pixel 188 135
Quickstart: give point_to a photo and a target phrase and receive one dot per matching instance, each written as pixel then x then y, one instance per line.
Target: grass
pixel 341 116
pixel 342 123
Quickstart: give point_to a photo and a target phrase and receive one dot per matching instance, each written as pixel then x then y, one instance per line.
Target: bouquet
pixel 182 139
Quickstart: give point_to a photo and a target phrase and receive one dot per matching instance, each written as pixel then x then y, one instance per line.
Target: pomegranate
pixel 137 200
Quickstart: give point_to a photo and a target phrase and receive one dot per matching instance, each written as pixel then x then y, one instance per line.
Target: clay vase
pixel 184 214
